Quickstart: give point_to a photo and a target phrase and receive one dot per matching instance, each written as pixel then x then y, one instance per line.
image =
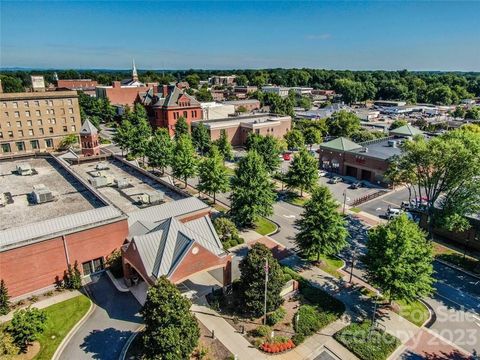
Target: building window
pixel 64 120
pixel 52 111
pixel 46 102
pixel 70 111
pixel 74 128
pixel 4 104
pixel 185 114
pixel 15 105
pixel 65 129
pixel 53 121
pixel 20 145
pixel 9 124
pixel 39 122
pixel 34 144
pixel 41 131
pixel 29 122
pixel 92 266
pixel 30 132
pixel 69 101
pixel 1 135
pixel 10 134
pixel 72 119
pixel 50 130
pixel 27 113
pixel 25 103
pixel 63 111
pixel 6 113
pixel 38 113
pixel 20 133
pixel 16 114
pixel 49 143
pixel 6 148
pixel 19 124
pixel 37 103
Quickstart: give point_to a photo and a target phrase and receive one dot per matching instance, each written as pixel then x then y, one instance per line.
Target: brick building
pixel 86 85
pixel 248 104
pixel 174 103
pixel 89 139
pixel 37 121
pixel 238 128
pixel 364 161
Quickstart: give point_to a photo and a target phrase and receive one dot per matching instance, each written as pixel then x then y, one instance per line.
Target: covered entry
pixel 351 171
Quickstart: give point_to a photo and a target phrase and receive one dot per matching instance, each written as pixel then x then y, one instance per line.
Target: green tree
pixel 181 127
pixel 343 123
pixel 8 349
pixel 171 331
pixel 185 162
pixel 398 123
pixel 303 172
pixel 201 138
pixel 241 80
pixel 252 190
pixel 294 139
pixel 322 229
pixel 124 135
pixel 473 113
pixel 141 138
pixel 160 150
pixel 351 91
pixel 399 260
pixel 225 228
pixel 312 136
pixel 4 299
pixel 204 95
pixel 193 80
pixel 68 141
pixel 224 146
pixel 72 279
pixel 304 102
pixel 252 281
pixel 213 177
pixel 459 112
pixel 26 325
pixel 268 147
pixel 11 84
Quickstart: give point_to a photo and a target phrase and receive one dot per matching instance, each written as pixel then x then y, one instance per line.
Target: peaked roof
pixel 340 143
pixel 406 130
pixel 162 248
pixel 174 94
pixel 88 128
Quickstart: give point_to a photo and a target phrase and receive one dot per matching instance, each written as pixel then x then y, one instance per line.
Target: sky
pixel 356 35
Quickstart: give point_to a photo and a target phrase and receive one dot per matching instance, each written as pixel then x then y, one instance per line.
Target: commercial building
pixel 279 90
pixel 88 86
pixel 175 103
pixel 366 161
pixel 37 121
pixel 238 128
pixel 302 91
pixel 215 110
pixel 54 213
pixel 222 80
pixel 241 92
pixel 248 105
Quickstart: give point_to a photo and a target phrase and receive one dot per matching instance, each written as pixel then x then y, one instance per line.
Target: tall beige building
pixel 37 121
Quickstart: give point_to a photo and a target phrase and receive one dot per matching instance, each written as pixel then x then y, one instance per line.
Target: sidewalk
pixel 44 303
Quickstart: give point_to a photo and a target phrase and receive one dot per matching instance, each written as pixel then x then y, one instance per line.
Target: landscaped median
pixel 264 226
pixel 60 319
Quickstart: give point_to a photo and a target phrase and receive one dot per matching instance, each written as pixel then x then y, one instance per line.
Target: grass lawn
pixel 329 264
pixel 415 312
pixel 295 199
pixel 355 210
pixel 366 344
pixel 456 258
pixel 264 226
pixel 61 318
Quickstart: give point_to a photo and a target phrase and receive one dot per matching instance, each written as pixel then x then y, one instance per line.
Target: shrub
pixel 114 263
pixel 48 293
pixel 4 299
pixel 277 346
pixel 72 279
pixel 26 325
pixel 262 331
pixel 7 346
pixel 276 316
pixel 33 298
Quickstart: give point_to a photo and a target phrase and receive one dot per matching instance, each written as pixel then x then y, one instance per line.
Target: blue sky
pixel 237 34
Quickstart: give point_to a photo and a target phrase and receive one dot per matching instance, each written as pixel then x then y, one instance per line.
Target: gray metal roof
pixel 88 128
pixel 163 248
pixel 31 233
pixel 155 214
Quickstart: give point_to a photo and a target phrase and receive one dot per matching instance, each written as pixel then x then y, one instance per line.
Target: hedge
pixel 276 316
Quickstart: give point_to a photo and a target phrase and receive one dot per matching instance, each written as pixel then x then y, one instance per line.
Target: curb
pixel 114 282
pixel 73 330
pixel 129 342
pixel 469 273
pixel 433 316
pixel 276 231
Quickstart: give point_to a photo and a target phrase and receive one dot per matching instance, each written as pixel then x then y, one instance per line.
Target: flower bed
pixel 277 347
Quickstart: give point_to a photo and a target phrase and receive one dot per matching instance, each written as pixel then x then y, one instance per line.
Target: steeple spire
pixel 134 71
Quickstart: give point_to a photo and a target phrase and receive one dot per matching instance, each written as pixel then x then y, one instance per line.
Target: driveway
pixel 105 332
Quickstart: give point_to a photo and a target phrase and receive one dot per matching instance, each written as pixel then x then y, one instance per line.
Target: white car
pixel 322 173
pixel 393 213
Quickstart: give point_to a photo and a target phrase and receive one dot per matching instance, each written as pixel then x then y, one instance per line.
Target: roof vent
pixel 24 169
pixel 41 194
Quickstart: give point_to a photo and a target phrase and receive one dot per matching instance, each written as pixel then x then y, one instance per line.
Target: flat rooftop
pixel 70 195
pixel 244 119
pixel 138 183
pixel 379 149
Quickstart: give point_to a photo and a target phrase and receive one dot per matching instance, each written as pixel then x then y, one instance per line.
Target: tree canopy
pixel 224 146
pixel 343 123
pixel 294 139
pixel 185 162
pixel 201 138
pixel 303 172
pixel 181 127
pixel 213 176
pixel 268 147
pixel 160 149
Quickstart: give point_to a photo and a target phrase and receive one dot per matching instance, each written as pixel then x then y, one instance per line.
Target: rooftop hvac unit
pixel 24 169
pixel 98 173
pixel 42 195
pixel 155 197
pixel 122 183
pixel 101 181
pixel 141 198
pixel 101 166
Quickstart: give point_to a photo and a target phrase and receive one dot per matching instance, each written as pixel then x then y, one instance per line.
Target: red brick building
pixel 89 139
pixel 77 84
pixel 165 111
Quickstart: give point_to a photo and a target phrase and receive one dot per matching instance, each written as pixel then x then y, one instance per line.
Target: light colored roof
pixel 30 233
pixel 340 143
pixel 163 248
pixel 406 130
pixel 88 128
pixel 157 213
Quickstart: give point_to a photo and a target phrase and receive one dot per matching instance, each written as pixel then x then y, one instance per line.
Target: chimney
pixel 165 91
pixel 117 84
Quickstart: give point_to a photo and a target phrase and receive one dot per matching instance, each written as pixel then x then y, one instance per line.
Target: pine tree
pixel 160 150
pixel 185 160
pixel 213 176
pixel 399 260
pixel 303 172
pixel 224 146
pixel 4 299
pixel 252 280
pixel 201 138
pixel 26 325
pixel 181 127
pixel 252 190
pixel 171 330
pixel 322 229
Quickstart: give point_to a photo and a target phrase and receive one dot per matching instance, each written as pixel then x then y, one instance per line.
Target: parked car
pixel 322 173
pixel 393 213
pixel 334 180
pixel 287 156
pixel 356 185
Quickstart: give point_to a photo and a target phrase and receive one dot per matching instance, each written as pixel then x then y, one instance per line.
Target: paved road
pixel 107 329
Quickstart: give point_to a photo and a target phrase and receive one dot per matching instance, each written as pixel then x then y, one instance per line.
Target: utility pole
pixel 265 299
pixel 344 200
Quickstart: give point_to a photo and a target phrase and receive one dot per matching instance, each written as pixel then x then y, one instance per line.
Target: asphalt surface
pixel 107 329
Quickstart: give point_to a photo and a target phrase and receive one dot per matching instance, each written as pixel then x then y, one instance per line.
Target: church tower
pixel 89 139
pixel 134 71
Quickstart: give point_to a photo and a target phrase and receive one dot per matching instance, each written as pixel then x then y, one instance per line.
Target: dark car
pixel 356 185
